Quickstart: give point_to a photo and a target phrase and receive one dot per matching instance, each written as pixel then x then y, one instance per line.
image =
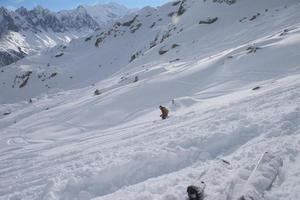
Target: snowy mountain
pixel 26 31
pixel 107 12
pixel 81 121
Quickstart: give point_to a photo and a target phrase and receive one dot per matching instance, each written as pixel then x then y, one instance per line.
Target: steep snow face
pixel 107 12
pixel 229 73
pixel 49 28
pixel 16 45
pixel 158 41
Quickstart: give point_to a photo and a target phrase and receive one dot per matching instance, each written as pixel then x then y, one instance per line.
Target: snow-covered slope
pixel 107 12
pixel 228 72
pixel 25 31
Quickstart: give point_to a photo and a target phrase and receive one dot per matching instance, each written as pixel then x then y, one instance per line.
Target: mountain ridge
pixel 40 20
pixel 144 34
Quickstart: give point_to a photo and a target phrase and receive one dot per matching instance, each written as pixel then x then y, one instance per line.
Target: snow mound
pixel 262 177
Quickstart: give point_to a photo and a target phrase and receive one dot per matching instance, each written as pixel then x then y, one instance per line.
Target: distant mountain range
pixel 25 31
pixel 107 12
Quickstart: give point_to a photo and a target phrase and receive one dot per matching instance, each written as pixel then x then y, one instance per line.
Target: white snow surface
pixel 262 177
pixel 71 144
pixel 104 13
pixel 32 43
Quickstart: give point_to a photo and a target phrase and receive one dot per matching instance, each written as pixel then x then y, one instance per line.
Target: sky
pixel 56 5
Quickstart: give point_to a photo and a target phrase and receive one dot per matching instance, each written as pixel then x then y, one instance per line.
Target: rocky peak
pixel 28 23
pixel 3 10
pixel 22 11
pixel 6 21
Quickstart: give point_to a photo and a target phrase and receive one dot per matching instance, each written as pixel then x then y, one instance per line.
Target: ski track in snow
pixel 108 162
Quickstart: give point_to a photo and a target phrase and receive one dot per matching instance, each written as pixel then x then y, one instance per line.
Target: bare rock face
pixel 229 2
pixel 10 56
pixel 40 19
pixel 6 22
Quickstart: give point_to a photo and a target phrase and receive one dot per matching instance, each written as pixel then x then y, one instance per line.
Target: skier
pixel 164 112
